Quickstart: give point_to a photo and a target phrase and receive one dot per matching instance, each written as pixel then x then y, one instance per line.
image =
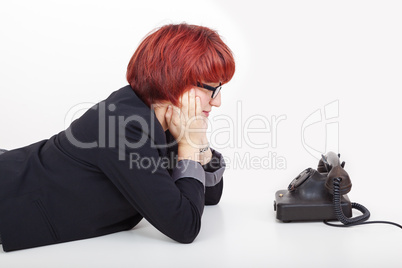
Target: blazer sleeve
pixel 213 172
pixel 172 203
pixel 214 178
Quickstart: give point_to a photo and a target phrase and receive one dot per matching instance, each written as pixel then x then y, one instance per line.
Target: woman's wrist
pixel 206 156
pixel 187 152
pixel 202 155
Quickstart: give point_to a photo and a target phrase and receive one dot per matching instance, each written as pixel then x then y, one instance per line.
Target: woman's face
pixel 206 101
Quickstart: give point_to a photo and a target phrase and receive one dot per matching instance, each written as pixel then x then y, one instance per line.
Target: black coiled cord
pixel 338 209
pixel 350 221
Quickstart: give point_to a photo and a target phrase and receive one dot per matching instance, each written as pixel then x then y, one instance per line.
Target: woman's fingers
pixel 175 120
pixel 184 104
pixel 188 104
pixel 177 116
pixel 198 108
pixel 187 124
pixel 168 115
pixel 191 103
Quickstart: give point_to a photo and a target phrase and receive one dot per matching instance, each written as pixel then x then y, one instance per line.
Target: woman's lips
pixel 206 113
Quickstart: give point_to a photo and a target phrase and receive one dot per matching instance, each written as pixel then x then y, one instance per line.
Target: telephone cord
pixel 351 221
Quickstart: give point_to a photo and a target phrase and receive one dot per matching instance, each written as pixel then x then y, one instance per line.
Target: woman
pixel 142 152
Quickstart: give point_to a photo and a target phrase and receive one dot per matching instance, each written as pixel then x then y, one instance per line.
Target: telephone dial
pixel 321 194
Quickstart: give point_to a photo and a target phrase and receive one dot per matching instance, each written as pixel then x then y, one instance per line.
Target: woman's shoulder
pixel 125 96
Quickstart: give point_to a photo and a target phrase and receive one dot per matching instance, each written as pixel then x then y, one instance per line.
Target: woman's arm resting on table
pixel 214 178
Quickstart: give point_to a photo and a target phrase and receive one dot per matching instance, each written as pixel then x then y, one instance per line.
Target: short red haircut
pixel 174 58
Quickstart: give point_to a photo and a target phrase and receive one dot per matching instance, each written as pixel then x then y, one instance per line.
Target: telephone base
pixel 289 207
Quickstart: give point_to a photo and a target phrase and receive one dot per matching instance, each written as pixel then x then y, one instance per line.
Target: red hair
pixel 174 58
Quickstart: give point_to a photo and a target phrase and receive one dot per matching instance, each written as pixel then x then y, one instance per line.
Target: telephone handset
pixel 321 194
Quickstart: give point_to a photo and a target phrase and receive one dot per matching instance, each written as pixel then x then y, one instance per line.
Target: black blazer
pixel 102 175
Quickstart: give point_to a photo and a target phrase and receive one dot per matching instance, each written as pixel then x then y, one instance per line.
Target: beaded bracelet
pixel 204 149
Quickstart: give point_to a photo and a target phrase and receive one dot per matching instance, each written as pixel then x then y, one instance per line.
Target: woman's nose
pixel 216 101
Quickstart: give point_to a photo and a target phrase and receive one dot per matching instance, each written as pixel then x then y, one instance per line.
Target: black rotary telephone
pixel 321 194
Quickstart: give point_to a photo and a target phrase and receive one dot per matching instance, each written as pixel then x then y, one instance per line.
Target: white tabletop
pixel 239 232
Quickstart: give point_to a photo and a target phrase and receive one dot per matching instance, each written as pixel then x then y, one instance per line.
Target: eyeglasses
pixel 215 90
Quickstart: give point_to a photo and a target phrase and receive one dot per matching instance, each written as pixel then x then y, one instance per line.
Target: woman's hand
pixel 188 126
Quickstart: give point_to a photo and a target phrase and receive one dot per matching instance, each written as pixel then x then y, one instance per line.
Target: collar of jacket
pixel 156 132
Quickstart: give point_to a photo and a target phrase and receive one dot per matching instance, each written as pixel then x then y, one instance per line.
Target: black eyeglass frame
pixel 215 90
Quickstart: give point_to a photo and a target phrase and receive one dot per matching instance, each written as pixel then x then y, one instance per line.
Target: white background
pixel 294 58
